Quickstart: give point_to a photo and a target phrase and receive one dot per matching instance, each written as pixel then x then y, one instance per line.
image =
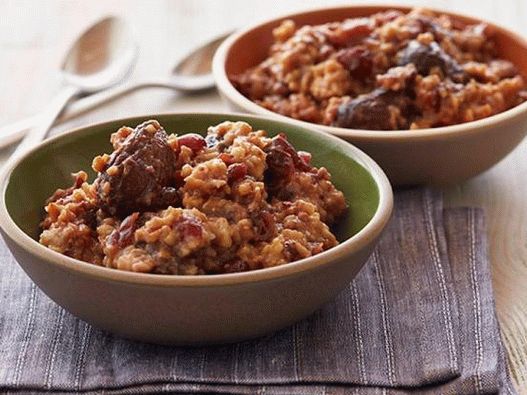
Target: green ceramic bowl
pixel 190 309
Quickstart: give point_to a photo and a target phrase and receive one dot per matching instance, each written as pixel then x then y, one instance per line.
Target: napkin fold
pixel 419 318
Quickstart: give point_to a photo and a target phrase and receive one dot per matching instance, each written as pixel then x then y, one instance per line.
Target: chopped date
pixel 143 167
pixel 123 236
pixel 358 61
pixel 372 111
pixel 426 57
pixel 281 142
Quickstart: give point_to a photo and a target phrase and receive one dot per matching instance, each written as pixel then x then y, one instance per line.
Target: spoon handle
pixel 95 100
pixel 184 84
pixel 12 132
pixel 16 130
pixel 46 120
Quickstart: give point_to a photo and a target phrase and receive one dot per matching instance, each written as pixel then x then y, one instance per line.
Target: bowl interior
pixel 244 54
pixel 49 167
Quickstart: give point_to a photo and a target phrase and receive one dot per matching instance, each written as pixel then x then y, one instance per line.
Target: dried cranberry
pixel 193 141
pixel 189 226
pixel 236 172
pixel 357 60
pixel 124 235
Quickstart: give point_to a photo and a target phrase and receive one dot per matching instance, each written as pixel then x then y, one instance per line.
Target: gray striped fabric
pixel 419 318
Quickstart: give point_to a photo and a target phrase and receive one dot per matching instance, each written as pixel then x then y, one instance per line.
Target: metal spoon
pixel 102 56
pixel 193 73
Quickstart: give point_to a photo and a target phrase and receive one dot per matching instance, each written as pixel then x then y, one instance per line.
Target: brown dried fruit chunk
pixel 357 60
pixel 425 57
pixel 124 235
pixel 142 176
pixel 282 161
pixel 373 111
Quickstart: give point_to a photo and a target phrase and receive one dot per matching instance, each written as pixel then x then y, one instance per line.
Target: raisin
pixel 264 224
pixel 372 111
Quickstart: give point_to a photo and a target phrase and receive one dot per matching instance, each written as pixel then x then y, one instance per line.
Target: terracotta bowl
pixel 190 309
pixel 444 155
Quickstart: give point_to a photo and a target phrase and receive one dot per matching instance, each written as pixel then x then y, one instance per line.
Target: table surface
pixel 34 36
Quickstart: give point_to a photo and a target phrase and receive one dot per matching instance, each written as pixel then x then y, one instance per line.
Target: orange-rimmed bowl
pixel 444 155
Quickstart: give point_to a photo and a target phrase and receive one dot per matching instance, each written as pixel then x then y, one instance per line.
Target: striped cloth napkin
pixel 419 318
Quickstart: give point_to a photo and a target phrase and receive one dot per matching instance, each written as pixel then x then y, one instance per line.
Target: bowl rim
pixel 355 243
pixel 228 90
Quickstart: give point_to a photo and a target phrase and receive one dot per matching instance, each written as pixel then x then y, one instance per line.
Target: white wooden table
pixel 34 35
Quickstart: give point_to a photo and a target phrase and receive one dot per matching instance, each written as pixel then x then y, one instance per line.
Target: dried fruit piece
pixel 192 140
pixel 426 57
pixel 143 173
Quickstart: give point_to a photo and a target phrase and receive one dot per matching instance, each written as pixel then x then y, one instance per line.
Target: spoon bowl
pixel 102 56
pixel 193 73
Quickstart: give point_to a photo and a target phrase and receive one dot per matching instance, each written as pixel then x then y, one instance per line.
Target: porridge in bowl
pixel 389 71
pixel 233 201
